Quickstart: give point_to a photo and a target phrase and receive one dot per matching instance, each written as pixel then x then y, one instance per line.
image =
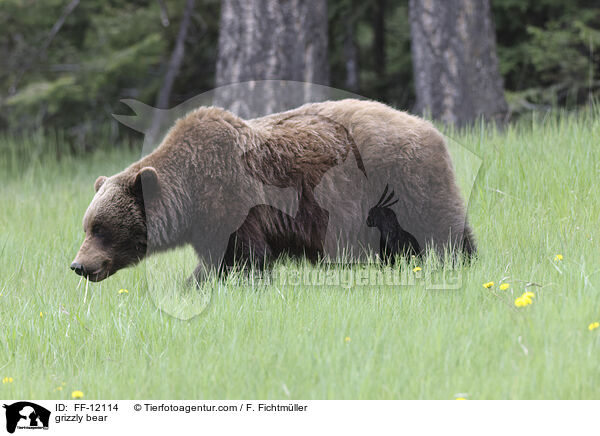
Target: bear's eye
pixel 99 231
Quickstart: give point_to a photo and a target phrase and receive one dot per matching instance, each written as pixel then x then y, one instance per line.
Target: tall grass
pixel 533 197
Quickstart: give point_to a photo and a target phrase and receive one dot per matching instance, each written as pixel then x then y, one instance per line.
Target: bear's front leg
pixel 245 252
pixel 210 254
pixel 241 252
pixel 200 275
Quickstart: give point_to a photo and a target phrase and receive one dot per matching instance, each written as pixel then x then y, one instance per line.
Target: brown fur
pixel 208 183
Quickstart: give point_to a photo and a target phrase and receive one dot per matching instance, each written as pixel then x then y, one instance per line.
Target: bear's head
pixel 115 224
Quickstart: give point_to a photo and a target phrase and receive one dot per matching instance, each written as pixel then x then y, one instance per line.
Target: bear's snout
pixel 85 271
pixel 91 261
pixel 91 272
pixel 78 268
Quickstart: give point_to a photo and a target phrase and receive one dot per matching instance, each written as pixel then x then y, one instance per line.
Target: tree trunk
pixel 173 67
pixel 270 40
pixel 379 48
pixel 454 61
pixel 350 50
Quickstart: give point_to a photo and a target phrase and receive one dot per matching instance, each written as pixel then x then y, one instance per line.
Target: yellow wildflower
pixel 41 314
pixel 528 294
pixel 523 301
pixel 123 291
pixel 77 394
pixel 347 339
pixel 504 286
pixel 417 269
pixel 460 398
pixel 7 380
pixel 488 285
pixel 558 257
pixel 593 326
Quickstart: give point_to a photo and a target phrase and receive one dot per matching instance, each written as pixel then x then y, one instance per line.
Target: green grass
pixel 534 196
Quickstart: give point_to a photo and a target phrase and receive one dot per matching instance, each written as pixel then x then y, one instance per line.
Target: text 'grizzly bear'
pixel 297 183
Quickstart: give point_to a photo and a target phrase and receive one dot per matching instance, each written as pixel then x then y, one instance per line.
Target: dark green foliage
pixel 549 51
pixel 396 87
pixel 105 51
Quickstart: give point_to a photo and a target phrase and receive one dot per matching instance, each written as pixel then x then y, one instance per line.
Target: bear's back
pixel 378 130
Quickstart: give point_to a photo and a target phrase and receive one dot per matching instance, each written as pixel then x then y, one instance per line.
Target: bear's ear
pixel 99 182
pixel 147 183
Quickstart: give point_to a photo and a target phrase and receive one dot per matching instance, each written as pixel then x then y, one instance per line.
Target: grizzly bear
pixel 297 183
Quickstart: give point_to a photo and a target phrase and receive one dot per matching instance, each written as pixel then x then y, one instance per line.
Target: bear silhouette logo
pixel 24 414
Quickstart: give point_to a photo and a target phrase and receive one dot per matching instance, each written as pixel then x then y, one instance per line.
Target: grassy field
pixel 534 197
